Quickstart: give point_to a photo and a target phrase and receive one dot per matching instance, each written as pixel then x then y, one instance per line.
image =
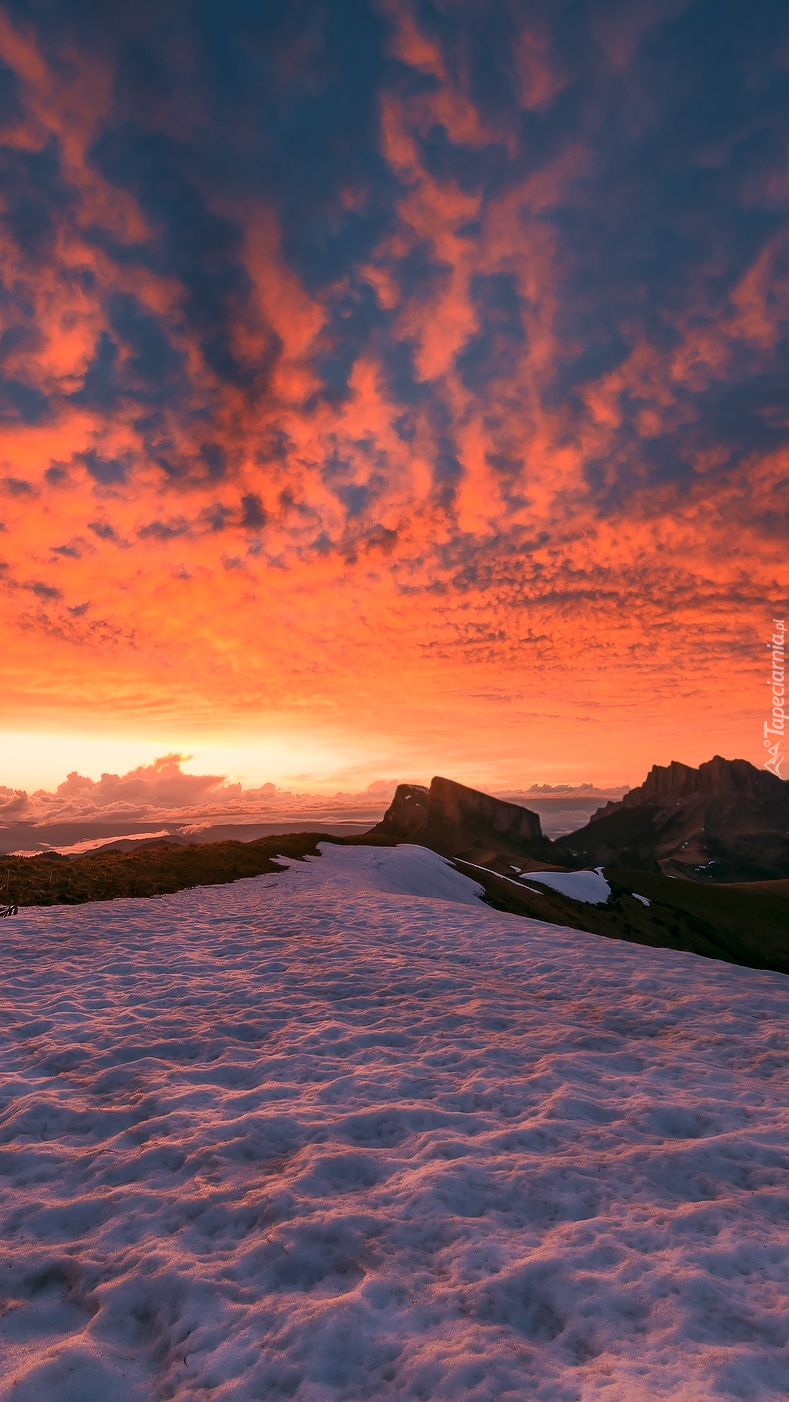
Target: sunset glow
pixel 392 389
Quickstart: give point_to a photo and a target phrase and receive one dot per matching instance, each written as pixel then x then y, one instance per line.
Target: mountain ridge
pixel 725 821
pixel 450 818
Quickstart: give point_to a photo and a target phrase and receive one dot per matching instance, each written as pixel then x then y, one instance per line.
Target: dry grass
pixel 154 871
pixel 740 924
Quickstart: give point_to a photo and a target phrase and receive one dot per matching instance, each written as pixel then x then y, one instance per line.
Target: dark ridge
pixel 449 818
pixel 155 871
pixel 726 821
pixel 745 924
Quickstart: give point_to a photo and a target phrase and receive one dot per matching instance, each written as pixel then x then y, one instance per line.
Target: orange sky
pixel 535 528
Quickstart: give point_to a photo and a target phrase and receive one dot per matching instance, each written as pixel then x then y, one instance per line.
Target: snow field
pixel 328 1136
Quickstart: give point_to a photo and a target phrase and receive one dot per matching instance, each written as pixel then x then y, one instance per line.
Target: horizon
pixel 164 799
pixel 166 787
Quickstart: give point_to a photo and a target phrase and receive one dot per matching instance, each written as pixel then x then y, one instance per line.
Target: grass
pixel 154 871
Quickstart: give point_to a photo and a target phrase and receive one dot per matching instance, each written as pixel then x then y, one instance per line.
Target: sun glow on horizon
pixel 320 764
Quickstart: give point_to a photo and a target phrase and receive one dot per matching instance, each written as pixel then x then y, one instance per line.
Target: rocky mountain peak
pixel 725 821
pixel 450 817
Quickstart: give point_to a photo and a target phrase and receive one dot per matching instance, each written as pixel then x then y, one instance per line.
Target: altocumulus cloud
pixel 474 317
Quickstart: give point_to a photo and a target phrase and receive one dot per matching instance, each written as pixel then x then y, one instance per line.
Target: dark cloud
pixel 42 590
pixel 11 106
pixel 103 530
pixel 683 110
pixel 496 347
pixel 163 530
pixel 36 194
pixel 101 387
pixel 56 474
pixel 105 471
pixel 214 457
pixel 216 517
pixel 17 487
pixel 22 403
pixel 254 517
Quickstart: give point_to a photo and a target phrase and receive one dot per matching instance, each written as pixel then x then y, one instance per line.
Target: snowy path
pixel 314 1137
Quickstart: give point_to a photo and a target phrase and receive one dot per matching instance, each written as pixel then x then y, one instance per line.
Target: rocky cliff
pixel 725 821
pixel 723 780
pixel 450 818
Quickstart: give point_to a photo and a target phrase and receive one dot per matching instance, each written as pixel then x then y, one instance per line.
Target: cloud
pixel 161 784
pixel 56 475
pixel 475 319
pixel 17 487
pixel 103 530
pixel 43 590
pixel 254 517
pixel 163 530
pixel 106 471
pixel 14 803
pixel 162 792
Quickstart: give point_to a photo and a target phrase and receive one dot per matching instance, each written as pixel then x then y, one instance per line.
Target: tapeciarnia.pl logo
pixel 777 725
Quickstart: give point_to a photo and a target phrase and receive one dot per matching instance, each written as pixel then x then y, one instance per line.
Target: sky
pixel 391 389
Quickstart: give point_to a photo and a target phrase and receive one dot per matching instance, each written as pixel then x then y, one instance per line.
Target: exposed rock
pixel 451 818
pixel 407 813
pixel 719 778
pixel 725 821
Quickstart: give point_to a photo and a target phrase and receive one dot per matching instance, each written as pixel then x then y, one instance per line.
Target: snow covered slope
pixel 325 1136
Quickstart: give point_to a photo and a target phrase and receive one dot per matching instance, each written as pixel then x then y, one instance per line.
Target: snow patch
pixel 328 1134
pixel 590 887
pixel 405 870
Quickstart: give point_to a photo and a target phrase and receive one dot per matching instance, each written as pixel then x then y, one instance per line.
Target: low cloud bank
pixel 552 791
pixel 162 792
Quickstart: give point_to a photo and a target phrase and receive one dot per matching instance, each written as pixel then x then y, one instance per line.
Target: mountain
pixel 723 827
pixel 455 820
pixel 725 821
